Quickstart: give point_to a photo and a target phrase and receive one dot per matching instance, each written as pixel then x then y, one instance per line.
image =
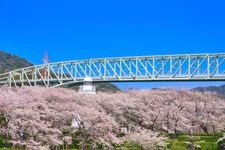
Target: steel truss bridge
pixel 190 67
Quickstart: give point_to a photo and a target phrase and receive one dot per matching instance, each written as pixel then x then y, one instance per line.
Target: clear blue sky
pixel 77 29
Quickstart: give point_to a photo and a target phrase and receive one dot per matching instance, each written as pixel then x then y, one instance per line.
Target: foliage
pixel 4 143
pixel 107 87
pixel 203 142
pixel 218 89
pixel 221 142
pixel 9 62
pixel 128 145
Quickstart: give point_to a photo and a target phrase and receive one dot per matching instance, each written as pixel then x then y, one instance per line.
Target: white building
pixel 87 86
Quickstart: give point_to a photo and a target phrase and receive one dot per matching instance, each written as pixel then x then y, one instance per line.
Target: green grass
pixel 178 147
pixel 20 149
pixel 206 142
pixel 129 146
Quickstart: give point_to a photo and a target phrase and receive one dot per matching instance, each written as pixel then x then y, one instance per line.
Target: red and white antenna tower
pixel 45 59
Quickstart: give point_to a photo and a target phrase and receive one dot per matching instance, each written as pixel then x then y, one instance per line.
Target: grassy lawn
pixel 204 142
pixel 20 149
pixel 129 146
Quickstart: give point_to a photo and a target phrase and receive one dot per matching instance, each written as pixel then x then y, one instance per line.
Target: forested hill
pixel 218 89
pixel 10 62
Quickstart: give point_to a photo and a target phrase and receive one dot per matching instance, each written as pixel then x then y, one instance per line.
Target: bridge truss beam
pixel 195 67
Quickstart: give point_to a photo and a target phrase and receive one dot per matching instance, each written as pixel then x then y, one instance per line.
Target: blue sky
pixel 77 29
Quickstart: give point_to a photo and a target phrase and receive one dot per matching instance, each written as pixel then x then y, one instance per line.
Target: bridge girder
pixel 192 67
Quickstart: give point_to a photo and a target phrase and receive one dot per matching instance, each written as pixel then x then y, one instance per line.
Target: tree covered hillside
pixel 9 62
pixel 218 89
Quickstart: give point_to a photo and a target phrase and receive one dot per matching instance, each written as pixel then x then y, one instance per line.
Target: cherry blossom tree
pixel 40 118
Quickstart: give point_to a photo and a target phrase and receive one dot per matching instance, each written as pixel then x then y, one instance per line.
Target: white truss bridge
pixel 187 67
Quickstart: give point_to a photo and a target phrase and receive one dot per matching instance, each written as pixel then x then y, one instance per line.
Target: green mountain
pixel 218 89
pixel 10 62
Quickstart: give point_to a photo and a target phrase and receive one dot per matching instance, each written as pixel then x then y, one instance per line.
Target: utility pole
pixel 46 60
